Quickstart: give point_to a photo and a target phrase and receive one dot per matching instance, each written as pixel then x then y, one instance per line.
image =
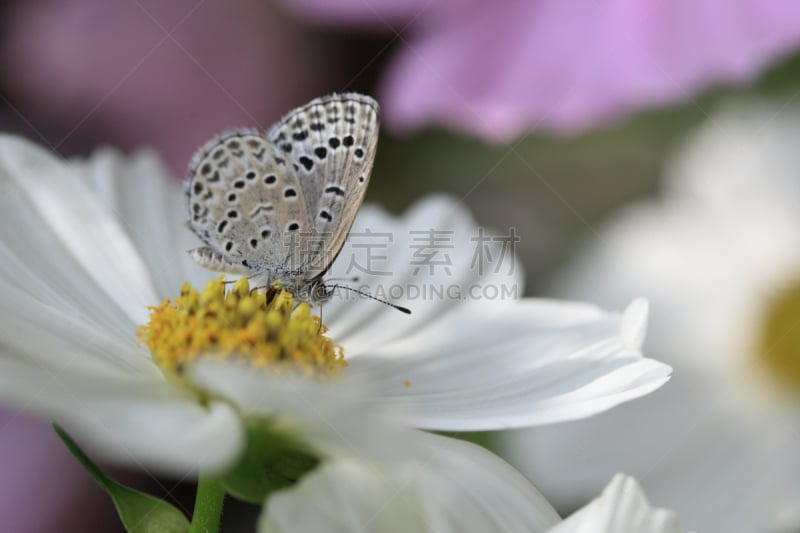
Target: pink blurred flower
pixel 148 72
pixel 503 68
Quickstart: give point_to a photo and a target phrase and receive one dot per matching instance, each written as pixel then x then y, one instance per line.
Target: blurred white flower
pixel 719 257
pixel 87 245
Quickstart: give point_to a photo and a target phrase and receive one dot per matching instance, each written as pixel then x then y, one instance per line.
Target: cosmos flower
pixel 90 247
pixel 719 256
pixel 558 66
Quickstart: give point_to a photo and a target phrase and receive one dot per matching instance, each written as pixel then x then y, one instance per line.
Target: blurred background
pixel 543 115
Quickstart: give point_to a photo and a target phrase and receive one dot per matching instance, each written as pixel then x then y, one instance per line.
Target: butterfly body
pixel 277 207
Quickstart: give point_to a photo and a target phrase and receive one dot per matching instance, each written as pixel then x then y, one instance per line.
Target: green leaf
pixel 139 512
pixel 271 461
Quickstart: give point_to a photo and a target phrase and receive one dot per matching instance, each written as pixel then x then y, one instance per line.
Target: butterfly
pixel 278 207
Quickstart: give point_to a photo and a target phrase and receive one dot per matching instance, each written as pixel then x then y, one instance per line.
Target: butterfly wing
pixel 331 143
pixel 244 201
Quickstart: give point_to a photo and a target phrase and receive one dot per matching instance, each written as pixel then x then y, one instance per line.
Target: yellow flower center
pixel 266 328
pixel 779 344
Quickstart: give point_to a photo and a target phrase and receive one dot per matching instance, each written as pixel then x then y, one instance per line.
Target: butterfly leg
pixel 207 257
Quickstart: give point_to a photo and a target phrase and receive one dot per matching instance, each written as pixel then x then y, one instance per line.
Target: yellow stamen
pixel 779 344
pixel 277 334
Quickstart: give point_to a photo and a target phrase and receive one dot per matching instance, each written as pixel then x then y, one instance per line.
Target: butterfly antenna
pixel 400 308
pixel 354 279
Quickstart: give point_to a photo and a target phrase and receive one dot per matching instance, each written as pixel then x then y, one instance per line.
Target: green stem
pixel 207 506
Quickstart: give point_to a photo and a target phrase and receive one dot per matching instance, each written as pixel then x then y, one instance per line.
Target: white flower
pixel 719 258
pixel 87 245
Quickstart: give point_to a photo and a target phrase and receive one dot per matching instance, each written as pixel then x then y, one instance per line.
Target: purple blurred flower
pixel 148 72
pixel 502 68
pixel 43 487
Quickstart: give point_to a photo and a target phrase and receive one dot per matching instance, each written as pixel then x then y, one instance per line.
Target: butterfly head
pixel 313 291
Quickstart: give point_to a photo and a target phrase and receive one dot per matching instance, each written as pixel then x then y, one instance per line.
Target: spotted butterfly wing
pixel 283 205
pixel 331 142
pixel 234 193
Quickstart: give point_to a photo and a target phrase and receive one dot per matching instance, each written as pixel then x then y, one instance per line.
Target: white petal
pixel 622 508
pixel 440 485
pixel 27 252
pixel 147 424
pixel 360 324
pixel 43 335
pixel 328 416
pixel 152 208
pixel 77 297
pixel 532 362
pixel 49 215
pixel 634 323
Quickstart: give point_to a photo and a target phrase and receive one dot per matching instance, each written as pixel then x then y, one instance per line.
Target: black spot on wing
pixel 306 162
